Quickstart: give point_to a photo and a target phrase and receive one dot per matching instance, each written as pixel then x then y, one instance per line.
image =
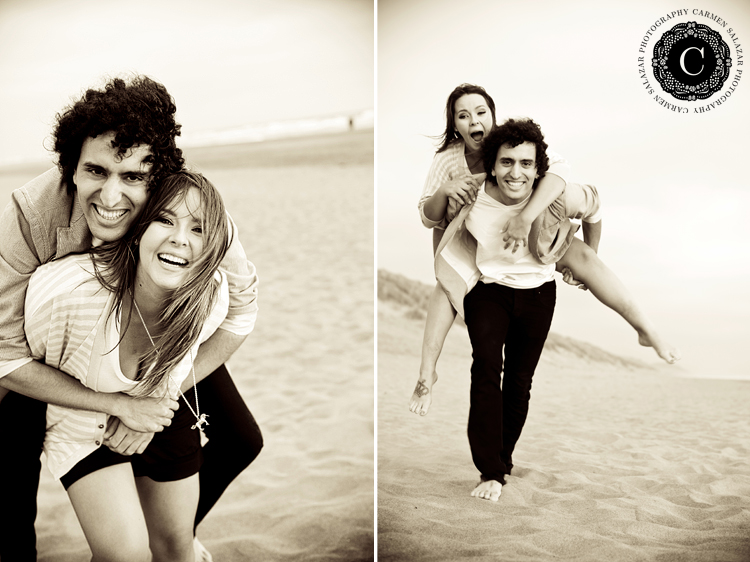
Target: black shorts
pixel 173 454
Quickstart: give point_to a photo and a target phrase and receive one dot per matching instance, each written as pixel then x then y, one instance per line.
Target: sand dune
pixel 304 208
pixel 618 461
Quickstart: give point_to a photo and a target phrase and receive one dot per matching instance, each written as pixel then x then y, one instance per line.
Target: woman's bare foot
pixel 422 396
pixel 488 490
pixel 669 353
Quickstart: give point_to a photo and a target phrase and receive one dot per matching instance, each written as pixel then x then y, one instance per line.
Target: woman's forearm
pixel 436 205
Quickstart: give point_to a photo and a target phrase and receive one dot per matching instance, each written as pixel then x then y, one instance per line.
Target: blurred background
pixel 238 70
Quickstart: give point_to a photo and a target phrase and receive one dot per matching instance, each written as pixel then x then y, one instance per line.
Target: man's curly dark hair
pixel 514 132
pixel 140 112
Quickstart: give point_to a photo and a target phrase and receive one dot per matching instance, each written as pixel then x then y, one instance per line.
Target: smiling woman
pixel 166 269
pixel 166 266
pixel 171 245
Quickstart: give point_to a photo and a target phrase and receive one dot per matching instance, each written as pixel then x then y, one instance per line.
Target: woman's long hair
pixel 115 265
pixel 450 133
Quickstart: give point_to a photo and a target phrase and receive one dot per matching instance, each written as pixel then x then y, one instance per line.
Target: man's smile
pixel 109 215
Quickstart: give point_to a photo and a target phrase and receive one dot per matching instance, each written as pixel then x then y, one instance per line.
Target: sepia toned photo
pixel 527 151
pixel 187 281
pixel 374 280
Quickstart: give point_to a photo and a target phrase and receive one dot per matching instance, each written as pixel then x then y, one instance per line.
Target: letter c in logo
pixel 682 61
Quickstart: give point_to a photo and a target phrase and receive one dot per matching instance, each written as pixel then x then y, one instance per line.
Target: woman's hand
pixel 125 441
pixel 463 190
pixel 144 414
pixel 568 277
pixel 516 233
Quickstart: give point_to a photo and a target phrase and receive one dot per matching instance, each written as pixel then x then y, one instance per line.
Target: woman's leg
pixel 440 316
pixel 169 509
pixel 606 287
pixel 109 510
pixel 234 438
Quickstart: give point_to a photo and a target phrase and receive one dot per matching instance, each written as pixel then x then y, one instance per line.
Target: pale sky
pixel 674 188
pixel 227 63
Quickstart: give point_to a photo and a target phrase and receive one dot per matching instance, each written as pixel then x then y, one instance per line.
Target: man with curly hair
pixel 506 296
pixel 114 147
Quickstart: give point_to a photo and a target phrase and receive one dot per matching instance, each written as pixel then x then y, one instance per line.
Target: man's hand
pixel 145 414
pixel 121 439
pixel 463 190
pixel 516 233
pixel 567 274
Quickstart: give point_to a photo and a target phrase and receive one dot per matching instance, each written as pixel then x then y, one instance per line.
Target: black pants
pixel 234 438
pixel 22 423
pixel 514 321
pixel 235 441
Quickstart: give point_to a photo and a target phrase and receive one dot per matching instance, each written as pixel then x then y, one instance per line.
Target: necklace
pixel 200 418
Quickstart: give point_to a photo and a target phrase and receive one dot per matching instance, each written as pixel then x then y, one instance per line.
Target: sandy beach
pixel 304 208
pixel 618 460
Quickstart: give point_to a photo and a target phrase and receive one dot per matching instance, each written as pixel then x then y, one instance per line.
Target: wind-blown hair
pixel 140 112
pixel 450 133
pixel 514 132
pixel 115 266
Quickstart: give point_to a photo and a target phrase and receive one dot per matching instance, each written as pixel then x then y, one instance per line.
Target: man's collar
pixel 77 237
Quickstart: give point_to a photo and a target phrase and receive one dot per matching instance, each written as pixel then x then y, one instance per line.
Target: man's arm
pixel 212 354
pixel 39 381
pixel 592 234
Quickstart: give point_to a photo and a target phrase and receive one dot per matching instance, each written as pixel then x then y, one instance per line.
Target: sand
pixel 618 461
pixel 304 208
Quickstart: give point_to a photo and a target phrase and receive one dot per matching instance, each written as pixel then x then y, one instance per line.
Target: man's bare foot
pixel 669 353
pixel 488 490
pixel 422 396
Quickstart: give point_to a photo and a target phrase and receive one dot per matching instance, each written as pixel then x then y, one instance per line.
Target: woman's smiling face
pixel 473 119
pixel 172 244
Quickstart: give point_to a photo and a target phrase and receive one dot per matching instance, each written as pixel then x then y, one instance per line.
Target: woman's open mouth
pixel 173 260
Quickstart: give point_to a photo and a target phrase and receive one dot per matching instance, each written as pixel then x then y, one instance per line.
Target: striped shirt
pixel 67 321
pixel 42 223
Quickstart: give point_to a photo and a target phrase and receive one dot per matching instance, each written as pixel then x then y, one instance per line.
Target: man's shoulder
pixel 45 193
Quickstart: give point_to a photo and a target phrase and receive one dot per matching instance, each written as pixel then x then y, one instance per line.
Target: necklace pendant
pixel 201 422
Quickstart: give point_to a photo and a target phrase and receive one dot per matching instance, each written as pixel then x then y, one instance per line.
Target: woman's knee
pixel 580 258
pixel 125 551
